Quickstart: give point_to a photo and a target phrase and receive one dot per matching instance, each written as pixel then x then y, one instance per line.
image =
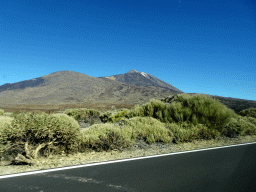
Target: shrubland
pixel 177 119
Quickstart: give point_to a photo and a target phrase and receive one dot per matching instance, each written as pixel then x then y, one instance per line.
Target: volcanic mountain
pixel 142 79
pixel 68 87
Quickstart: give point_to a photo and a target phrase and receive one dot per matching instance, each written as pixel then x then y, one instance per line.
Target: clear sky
pixel 198 46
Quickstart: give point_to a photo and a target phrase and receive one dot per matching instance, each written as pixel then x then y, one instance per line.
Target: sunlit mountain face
pixel 142 79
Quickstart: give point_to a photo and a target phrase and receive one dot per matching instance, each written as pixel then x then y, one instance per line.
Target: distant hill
pixel 68 87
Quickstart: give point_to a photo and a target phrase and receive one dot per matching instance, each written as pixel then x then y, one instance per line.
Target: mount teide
pixel 144 80
pixel 68 87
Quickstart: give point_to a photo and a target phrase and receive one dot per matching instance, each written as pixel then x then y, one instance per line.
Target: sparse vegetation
pixel 179 119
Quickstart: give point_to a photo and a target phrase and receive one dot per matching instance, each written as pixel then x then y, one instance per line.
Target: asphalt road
pixel 225 169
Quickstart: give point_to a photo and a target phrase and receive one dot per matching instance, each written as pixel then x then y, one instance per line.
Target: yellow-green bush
pixel 251 112
pixel 1 111
pixel 104 116
pixel 206 134
pixel 199 109
pixel 251 120
pixel 151 129
pixel 183 134
pixel 187 132
pixel 239 127
pixel 61 129
pixel 81 113
pixel 103 137
pixel 116 117
pixel 125 133
pixel 5 120
pixel 84 115
pixel 136 111
pixel 154 109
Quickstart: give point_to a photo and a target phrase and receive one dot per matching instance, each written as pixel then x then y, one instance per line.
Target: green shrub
pixel 206 134
pixel 116 117
pixel 182 133
pixel 5 120
pixel 251 120
pixel 125 133
pixel 187 132
pixel 103 137
pixel 199 109
pixel 113 140
pixel 239 127
pixel 124 122
pixel 151 130
pixel 154 108
pixel 85 115
pixel 81 113
pixel 251 112
pixel 136 111
pixel 56 132
pixel 105 116
pixel 1 111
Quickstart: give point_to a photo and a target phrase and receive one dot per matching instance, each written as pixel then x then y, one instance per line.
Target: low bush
pixel 105 116
pixel 103 137
pixel 1 111
pixel 239 127
pixel 136 111
pixel 82 113
pixel 251 120
pixel 187 132
pixel 182 134
pixel 151 129
pixel 124 133
pixel 113 140
pixel 119 115
pixel 251 112
pixel 154 108
pixel 5 120
pixel 56 132
pixel 198 109
pixel 84 116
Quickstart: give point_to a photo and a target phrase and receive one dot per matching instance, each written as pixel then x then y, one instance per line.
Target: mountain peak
pixel 133 71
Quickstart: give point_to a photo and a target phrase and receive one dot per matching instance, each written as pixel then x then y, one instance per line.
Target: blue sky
pixel 197 46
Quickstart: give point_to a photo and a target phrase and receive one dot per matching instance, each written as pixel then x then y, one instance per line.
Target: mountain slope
pixel 142 79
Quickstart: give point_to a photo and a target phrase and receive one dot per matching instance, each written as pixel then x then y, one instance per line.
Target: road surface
pixel 223 169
